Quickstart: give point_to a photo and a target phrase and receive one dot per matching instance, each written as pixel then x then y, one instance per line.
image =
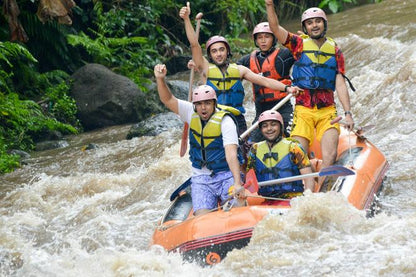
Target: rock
pixel 105 98
pixel 155 125
pixel 22 154
pixel 51 144
pixel 179 88
pixel 177 64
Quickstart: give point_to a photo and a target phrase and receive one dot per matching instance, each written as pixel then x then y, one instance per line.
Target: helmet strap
pixel 266 53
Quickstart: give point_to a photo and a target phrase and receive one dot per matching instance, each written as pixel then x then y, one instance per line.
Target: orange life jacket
pixel 267 69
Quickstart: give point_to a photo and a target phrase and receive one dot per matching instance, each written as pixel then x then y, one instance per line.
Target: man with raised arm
pixel 223 76
pixel 272 62
pixel 213 143
pixel 319 71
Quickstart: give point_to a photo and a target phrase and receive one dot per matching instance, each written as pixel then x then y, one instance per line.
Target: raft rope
pixel 351 163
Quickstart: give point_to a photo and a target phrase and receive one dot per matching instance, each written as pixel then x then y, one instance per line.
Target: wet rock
pixel 90 146
pixel 179 88
pixel 155 125
pixel 22 154
pixel 105 98
pixel 51 144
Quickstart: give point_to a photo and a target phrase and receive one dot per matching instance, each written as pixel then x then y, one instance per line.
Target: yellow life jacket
pixel 206 143
pixel 228 86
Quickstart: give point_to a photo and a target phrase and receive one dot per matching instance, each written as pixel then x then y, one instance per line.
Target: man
pixel 223 76
pixel 213 145
pixel 278 157
pixel 319 70
pixel 270 62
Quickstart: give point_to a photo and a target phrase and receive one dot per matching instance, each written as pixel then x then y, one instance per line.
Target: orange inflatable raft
pixel 206 239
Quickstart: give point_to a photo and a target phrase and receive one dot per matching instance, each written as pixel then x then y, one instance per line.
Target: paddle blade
pixel 335 170
pixel 360 131
pixel 251 181
pixel 365 128
pixel 182 187
pixel 184 141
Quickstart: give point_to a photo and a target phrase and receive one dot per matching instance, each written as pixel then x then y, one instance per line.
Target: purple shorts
pixel 207 190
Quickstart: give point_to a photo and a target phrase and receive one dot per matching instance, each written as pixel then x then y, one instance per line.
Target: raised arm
pixel 197 55
pixel 246 73
pixel 165 95
pixel 279 32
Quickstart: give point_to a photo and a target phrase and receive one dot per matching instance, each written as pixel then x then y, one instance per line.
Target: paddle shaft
pixel 269 198
pixel 327 171
pixel 275 108
pixel 359 128
pixel 288 179
pixel 184 141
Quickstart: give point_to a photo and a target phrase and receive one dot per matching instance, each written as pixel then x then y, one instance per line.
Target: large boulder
pixel 105 98
pixel 155 125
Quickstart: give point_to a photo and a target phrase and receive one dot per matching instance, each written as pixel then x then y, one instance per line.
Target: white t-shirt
pixel 228 130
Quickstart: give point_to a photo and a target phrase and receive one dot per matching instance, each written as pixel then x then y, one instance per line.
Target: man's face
pixel 205 108
pixel 270 129
pixel 264 41
pixel 219 53
pixel 314 27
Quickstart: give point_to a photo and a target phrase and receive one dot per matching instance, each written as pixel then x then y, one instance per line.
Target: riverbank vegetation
pixel 42 44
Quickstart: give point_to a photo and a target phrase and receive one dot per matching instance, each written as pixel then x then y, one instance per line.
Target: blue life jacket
pixel 206 143
pixel 276 163
pixel 317 67
pixel 228 86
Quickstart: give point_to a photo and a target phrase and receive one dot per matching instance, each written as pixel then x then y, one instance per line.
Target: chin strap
pixel 266 53
pixel 275 141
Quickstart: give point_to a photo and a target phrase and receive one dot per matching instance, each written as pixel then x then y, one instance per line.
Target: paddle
pixel 184 141
pixel 253 185
pixel 275 108
pixel 174 194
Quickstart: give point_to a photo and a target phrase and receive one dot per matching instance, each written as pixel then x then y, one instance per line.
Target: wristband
pixel 286 88
pixel 347 112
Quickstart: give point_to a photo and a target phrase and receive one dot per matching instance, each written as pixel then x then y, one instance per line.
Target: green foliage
pixel 22 120
pixel 60 105
pixel 8 162
pixel 110 45
pixel 47 42
pixel 13 58
pixel 338 5
pixel 334 5
pixel 241 15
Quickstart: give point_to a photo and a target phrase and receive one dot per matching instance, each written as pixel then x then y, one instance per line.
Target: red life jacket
pixel 268 69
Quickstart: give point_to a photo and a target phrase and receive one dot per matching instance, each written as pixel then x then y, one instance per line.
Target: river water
pixel 71 212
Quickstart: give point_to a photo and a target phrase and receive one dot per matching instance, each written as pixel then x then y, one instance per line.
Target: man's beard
pixel 223 64
pixel 321 35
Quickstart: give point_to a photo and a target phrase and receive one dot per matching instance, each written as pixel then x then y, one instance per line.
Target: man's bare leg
pixel 329 146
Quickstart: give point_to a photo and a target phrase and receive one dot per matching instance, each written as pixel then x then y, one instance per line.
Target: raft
pixel 206 239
